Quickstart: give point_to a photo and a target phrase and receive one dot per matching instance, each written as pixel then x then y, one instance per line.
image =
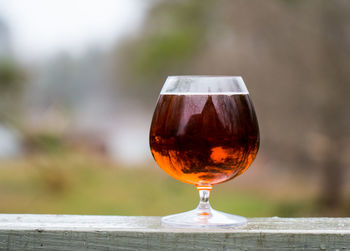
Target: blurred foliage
pixel 174 42
pixel 164 51
pixel 174 35
pixel 44 142
pixel 75 183
pixel 12 78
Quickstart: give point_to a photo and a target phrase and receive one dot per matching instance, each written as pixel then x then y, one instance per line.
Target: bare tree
pixel 335 109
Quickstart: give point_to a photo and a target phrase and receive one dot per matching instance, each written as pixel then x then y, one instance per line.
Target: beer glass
pixel 204 132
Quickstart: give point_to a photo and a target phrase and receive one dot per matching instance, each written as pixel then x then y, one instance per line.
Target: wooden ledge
pixel 77 232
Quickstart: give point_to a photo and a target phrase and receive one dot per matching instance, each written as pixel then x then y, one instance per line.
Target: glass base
pixel 203 218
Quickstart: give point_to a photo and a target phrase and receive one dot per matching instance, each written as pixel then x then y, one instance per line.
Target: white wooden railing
pixel 76 232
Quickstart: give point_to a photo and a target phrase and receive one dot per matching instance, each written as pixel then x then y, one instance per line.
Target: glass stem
pixel 204 205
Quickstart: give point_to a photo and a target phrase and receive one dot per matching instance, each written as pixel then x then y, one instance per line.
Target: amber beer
pixel 204 139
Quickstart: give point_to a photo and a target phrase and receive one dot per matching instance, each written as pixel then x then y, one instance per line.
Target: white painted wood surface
pixel 75 232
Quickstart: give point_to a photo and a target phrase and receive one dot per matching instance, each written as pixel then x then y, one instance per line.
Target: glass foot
pixel 207 218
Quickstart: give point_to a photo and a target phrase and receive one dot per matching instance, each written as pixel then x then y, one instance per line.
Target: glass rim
pixel 204 76
pixel 204 85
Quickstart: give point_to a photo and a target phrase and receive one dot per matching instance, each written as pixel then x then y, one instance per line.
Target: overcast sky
pixel 40 28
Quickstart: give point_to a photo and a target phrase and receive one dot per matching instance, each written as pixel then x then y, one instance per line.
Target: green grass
pixel 82 184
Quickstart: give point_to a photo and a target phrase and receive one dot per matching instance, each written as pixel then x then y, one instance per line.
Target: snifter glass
pixel 204 131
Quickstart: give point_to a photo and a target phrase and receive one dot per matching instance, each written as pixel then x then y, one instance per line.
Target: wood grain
pixel 76 232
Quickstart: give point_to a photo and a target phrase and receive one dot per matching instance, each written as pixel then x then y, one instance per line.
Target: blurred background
pixel 79 81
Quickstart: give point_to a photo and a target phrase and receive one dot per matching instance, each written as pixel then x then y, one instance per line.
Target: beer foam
pixel 205 93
